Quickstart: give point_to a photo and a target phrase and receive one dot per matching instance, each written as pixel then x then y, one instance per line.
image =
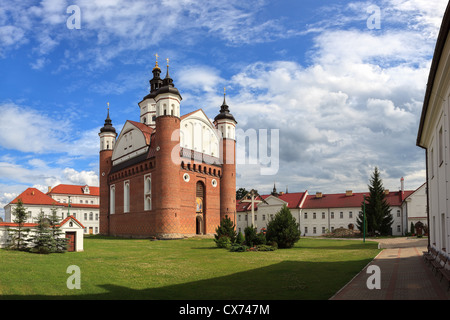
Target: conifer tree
pixel 42 238
pixel 226 229
pixel 60 242
pixel 18 235
pixel 378 212
pixel 283 229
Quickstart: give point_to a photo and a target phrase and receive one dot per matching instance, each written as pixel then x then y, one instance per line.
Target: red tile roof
pixel 74 189
pixel 293 201
pixel 146 130
pixel 341 200
pixel 336 200
pixel 34 196
pixel 30 225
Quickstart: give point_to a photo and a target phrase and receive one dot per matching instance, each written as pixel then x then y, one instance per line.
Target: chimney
pixel 348 193
pixel 49 188
pixel 318 194
pixel 386 191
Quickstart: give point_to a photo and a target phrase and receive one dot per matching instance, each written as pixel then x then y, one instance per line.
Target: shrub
pixel 238 248
pixel 250 236
pixel 264 247
pixel 223 242
pixel 226 229
pixel 283 229
pixel 240 238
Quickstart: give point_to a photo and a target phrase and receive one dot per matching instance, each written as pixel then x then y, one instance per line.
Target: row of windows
pixel 324 230
pixel 81 201
pixel 87 216
pixel 95 230
pixel 440 147
pixel 341 215
pixel 126 195
pixel 256 217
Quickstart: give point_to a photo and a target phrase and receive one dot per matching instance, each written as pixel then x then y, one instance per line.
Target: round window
pixel 214 183
pixel 186 177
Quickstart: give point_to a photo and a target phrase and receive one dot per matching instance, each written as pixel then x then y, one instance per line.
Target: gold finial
pixel 156 55
pixel 167 61
pixel 108 105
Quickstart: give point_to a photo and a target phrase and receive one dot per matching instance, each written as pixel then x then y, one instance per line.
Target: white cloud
pixel 355 107
pixel 27 130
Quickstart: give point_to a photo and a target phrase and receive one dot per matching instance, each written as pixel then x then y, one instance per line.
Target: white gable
pixel 273 201
pixel 199 134
pixel 130 143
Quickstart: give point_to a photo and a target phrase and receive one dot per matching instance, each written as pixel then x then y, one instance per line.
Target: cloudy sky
pixel 336 87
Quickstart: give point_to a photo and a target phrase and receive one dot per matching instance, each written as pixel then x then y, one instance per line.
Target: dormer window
pixel 86 189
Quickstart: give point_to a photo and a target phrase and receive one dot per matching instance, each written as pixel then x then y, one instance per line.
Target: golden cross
pixel 167 61
pixel 108 105
pixel 156 55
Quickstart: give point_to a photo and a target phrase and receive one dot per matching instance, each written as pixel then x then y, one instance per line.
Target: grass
pixel 185 269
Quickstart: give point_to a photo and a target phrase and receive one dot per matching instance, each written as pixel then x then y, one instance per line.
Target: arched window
pixel 112 199
pixel 126 196
pixel 148 203
pixel 148 184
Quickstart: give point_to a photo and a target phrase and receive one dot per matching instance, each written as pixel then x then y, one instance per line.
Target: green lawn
pixel 185 269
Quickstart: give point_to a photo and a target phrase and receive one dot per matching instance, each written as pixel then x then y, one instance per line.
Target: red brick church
pixel 167 176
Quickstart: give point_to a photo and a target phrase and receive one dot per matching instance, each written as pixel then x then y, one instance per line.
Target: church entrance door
pixel 200 207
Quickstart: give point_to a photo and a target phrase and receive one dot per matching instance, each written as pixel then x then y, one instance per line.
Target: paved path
pixel 404 275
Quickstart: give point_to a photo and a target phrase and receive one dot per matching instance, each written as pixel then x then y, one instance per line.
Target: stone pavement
pixel 404 275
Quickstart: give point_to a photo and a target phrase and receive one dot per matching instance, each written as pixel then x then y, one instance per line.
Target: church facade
pixel 167 176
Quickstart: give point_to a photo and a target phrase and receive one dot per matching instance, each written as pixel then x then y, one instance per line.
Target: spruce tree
pixel 42 238
pixel 59 240
pixel 226 229
pixel 18 235
pixel 283 229
pixel 378 212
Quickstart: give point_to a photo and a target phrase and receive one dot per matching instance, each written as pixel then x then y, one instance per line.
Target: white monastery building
pixel 321 213
pixel 34 201
pixel 434 137
pixel 78 201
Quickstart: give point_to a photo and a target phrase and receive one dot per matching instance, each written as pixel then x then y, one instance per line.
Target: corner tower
pixel 107 136
pixel 226 124
pixel 166 177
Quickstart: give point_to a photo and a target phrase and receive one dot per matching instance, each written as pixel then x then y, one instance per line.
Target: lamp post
pixel 364 217
pixel 68 208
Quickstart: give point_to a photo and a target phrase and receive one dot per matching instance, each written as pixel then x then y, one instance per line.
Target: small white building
pixel 415 206
pixel 71 229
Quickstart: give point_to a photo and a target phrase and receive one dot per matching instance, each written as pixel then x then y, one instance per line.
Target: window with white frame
pixel 441 147
pixel 148 192
pixel 112 200
pixel 126 196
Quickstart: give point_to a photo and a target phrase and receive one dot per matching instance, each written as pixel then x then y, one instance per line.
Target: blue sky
pixel 345 95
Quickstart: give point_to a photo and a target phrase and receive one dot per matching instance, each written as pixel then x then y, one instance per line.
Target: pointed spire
pixel 274 191
pixel 167 74
pixel 224 110
pixel 168 80
pixel 107 127
pixel 224 94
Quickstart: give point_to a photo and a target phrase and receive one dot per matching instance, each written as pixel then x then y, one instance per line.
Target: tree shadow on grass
pixel 287 280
